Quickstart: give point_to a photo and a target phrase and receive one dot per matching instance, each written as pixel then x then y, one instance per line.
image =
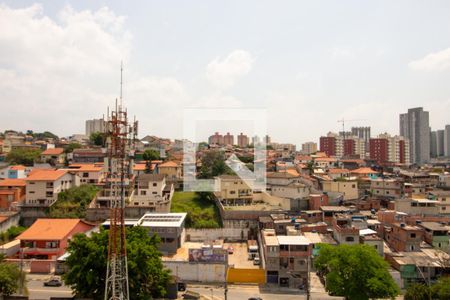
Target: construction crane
pixel 346 120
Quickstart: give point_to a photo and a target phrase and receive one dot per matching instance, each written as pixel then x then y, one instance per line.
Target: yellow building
pixel 348 188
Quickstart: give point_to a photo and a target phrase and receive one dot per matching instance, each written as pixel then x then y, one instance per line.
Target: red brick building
pixel 403 237
pixel 378 149
pixel 328 145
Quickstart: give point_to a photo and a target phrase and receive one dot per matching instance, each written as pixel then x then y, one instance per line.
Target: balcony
pixel 35 250
pixel 294 253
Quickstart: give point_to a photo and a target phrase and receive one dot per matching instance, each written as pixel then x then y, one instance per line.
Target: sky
pixel 306 63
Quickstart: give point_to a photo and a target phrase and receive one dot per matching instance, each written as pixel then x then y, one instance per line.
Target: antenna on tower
pixel 121 82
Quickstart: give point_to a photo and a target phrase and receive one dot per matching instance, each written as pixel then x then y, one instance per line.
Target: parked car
pixel 181 286
pixel 256 261
pixel 230 250
pixel 53 282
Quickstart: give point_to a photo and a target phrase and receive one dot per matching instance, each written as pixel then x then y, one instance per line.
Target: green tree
pixel 44 135
pixel 72 203
pixel 97 138
pixel 213 164
pixel 72 146
pixel 355 272
pixel 22 156
pixel 150 155
pixel 10 276
pixel 11 233
pixel 418 291
pixel 441 289
pixel 88 260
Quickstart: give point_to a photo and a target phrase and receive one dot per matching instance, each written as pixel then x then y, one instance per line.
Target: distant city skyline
pixel 309 64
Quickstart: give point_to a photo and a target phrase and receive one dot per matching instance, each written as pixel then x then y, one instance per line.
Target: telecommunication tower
pixel 120 137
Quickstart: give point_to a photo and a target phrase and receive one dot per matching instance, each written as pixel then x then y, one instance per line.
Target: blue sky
pixel 307 63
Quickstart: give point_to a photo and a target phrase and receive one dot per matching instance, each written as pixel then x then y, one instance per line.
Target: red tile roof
pixel 49 229
pixel 45 175
pixel 364 171
pixel 12 182
pixel 168 164
pixel 337 171
pixel 17 168
pixel 54 151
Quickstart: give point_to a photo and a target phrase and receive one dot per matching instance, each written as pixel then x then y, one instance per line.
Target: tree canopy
pixel 355 272
pixel 88 260
pixel 44 135
pixel 213 164
pixel 151 154
pixel 22 156
pixel 9 277
pixel 438 291
pixel 97 138
pixel 72 146
pixel 72 203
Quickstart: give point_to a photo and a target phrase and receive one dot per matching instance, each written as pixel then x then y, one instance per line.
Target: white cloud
pixel 55 74
pixel 437 61
pixel 223 73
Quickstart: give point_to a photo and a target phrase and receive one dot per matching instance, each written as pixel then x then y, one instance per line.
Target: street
pixel 37 290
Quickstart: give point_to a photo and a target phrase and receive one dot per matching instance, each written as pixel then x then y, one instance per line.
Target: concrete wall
pixel 230 234
pixel 13 220
pixel 196 272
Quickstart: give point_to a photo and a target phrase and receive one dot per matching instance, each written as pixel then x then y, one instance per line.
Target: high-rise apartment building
pixel 309 148
pixel 362 133
pixel 215 139
pixel 95 125
pixel 433 144
pixel 447 141
pixel 228 139
pixel 415 126
pixel 335 145
pixel 440 148
pixel 242 140
pixel 386 148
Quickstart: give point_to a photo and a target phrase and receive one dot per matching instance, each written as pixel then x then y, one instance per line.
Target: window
pixel 154 193
pixel 232 192
pixel 353 186
pixel 143 193
pixel 349 239
pixel 155 184
pixel 413 235
pixel 85 175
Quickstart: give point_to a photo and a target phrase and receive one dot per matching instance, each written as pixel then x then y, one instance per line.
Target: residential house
pixel 12 192
pixel 43 186
pixel 386 187
pixel 82 155
pixel 152 191
pixel 348 188
pixel 17 172
pixel 172 171
pixel 234 190
pixel 53 156
pixel 343 230
pixel 287 258
pixel 402 237
pixel 48 239
pixel 88 173
pixel 436 234
pixel 417 206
